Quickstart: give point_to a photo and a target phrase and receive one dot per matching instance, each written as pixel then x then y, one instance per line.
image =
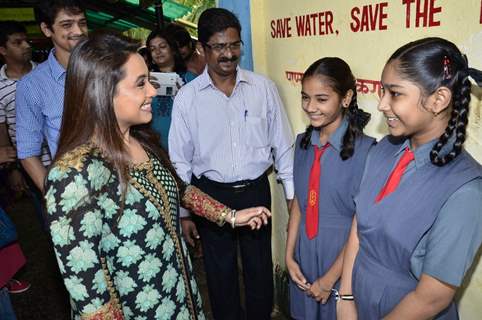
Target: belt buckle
pixel 240 187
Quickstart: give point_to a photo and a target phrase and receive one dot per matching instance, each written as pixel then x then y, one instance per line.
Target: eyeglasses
pixel 222 47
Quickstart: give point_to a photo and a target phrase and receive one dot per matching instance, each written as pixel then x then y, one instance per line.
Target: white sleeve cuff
pixel 289 188
pixel 184 213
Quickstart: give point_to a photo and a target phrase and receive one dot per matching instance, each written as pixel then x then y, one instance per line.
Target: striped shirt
pixel 40 104
pixel 229 139
pixel 7 111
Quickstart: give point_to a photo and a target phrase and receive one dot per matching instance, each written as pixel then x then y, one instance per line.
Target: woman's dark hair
pixel 179 65
pixel 431 63
pixel 96 66
pixel 46 11
pixel 215 20
pixel 341 79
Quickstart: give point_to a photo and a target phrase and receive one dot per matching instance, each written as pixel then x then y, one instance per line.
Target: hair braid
pixel 457 123
pixel 305 140
pixel 357 120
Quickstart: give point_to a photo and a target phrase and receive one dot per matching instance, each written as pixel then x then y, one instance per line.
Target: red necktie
pixel 396 175
pixel 313 194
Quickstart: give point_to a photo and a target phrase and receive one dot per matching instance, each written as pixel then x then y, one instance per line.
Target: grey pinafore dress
pixel 339 182
pixel 390 230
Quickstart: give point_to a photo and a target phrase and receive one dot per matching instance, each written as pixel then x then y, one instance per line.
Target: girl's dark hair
pixel 179 65
pixel 96 66
pixel 431 63
pixel 215 20
pixel 340 78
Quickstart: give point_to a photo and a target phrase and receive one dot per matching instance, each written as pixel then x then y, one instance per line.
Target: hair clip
pixel 447 71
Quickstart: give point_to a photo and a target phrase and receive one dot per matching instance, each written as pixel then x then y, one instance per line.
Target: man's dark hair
pixel 46 11
pixel 215 20
pixel 7 28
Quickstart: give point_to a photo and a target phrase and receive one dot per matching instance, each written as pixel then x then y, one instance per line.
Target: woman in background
pixel 165 57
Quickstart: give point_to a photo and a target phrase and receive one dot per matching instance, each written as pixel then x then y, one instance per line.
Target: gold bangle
pixel 222 217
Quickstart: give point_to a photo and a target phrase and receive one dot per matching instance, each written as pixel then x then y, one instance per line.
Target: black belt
pixel 236 186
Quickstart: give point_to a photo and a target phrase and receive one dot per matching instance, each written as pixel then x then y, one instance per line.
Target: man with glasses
pixel 227 127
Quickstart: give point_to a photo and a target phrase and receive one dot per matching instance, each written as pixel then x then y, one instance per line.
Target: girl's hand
pixel 320 289
pixel 254 217
pixel 296 274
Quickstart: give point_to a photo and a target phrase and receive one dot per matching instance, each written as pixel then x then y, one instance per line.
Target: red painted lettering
pixel 372 17
pixel 408 4
pixel 300 25
pixel 433 11
pixel 306 25
pixel 355 25
pixel 328 22
pixel 280 28
pixel 425 11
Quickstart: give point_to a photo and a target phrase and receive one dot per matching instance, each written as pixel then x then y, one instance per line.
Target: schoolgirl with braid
pixel 418 223
pixel 329 162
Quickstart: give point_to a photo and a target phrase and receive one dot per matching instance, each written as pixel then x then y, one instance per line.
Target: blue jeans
pixel 6 309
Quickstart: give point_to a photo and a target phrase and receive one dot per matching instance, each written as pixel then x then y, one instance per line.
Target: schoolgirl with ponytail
pixel 418 222
pixel 329 161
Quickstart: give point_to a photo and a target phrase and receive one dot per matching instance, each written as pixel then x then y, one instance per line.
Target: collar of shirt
pixel 58 71
pixel 3 72
pixel 206 81
pixel 336 138
pixel 422 153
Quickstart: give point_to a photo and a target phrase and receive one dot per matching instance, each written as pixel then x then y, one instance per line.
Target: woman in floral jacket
pixel 113 196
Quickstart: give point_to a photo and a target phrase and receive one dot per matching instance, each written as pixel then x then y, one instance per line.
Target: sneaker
pixel 16 286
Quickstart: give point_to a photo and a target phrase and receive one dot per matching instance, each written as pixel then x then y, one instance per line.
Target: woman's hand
pixel 254 217
pixel 346 310
pixel 296 274
pixel 320 289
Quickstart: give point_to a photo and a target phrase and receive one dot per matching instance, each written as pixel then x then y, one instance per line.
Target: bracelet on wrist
pixel 222 218
pixel 338 296
pixel 233 218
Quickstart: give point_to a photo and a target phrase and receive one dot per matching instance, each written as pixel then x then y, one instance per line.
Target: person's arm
pixel 205 206
pixel 76 230
pixel 293 268
pixel 320 289
pixel 7 152
pixel 36 170
pixel 429 298
pixel 452 243
pixel 29 125
pixel 345 309
pixel 4 140
pixel 281 140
